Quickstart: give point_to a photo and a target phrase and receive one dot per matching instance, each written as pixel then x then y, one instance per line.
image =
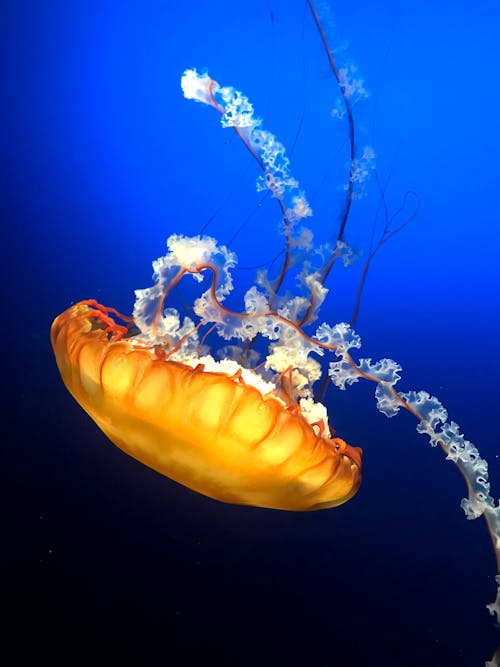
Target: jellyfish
pixel 218 426
pixel 241 419
pixel 214 426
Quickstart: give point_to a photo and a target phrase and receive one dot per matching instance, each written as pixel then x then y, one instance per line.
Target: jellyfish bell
pixel 214 426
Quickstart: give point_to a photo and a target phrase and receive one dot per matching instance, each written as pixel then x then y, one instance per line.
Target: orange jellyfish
pixel 214 417
pixel 238 434
pixel 223 434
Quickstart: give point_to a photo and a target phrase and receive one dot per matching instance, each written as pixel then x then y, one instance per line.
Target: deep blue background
pixel 102 158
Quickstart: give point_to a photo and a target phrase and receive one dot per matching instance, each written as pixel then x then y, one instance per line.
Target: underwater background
pixel 106 561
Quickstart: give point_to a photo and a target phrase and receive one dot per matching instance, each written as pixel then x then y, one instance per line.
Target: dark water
pixel 108 562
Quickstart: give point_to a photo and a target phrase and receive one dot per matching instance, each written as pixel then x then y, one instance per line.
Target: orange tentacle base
pixel 208 431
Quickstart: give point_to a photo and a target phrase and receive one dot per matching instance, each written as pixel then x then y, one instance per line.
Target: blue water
pixel 108 562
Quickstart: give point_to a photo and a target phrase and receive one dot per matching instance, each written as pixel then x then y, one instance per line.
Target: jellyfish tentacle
pixel 285 384
pixel 108 309
pixel 161 303
pixel 237 377
pixel 102 315
pixel 352 136
pixel 204 338
pixel 237 112
pixel 181 340
pixel 433 421
pixel 387 234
